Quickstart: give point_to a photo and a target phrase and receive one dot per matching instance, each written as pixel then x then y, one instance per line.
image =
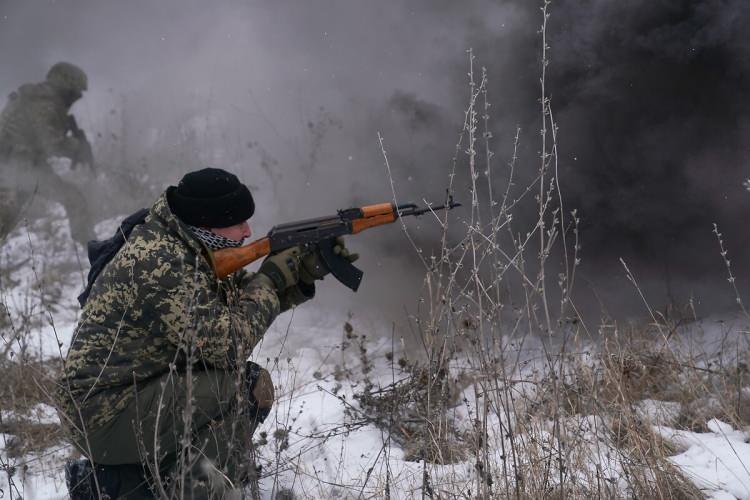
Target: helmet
pixel 66 76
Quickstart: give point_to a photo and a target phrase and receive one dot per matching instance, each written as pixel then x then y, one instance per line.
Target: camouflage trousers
pixel 188 434
pixel 22 182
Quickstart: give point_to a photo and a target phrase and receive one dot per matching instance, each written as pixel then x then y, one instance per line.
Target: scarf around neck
pixel 212 240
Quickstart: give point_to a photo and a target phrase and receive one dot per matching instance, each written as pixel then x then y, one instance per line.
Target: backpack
pixel 102 251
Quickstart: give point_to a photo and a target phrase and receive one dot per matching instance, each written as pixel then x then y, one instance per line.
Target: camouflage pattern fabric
pixel 157 305
pixel 221 427
pixel 35 124
pixel 216 438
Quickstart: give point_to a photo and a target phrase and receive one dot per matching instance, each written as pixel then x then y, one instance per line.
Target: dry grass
pixel 27 404
pixel 505 381
pixel 536 432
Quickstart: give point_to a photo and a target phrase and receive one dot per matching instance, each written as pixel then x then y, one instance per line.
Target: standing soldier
pixel 36 125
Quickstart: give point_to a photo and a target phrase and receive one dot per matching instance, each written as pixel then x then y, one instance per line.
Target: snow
pixel 47 276
pixel 718 462
pixel 314 446
pixel 40 414
pixel 661 412
pixel 324 459
pixel 36 476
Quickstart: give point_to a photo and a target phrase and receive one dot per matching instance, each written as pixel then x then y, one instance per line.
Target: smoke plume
pixel 650 97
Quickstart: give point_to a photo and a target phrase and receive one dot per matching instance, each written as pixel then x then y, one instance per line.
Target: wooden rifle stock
pixel 229 260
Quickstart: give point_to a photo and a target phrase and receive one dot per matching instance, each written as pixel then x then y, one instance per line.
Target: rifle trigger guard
pixel 340 267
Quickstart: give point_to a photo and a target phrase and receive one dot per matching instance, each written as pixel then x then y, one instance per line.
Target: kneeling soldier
pixel 156 390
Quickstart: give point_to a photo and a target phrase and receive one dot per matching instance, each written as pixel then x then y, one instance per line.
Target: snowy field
pixel 318 442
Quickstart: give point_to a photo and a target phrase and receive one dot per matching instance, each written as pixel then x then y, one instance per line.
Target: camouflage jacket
pixel 157 305
pixel 35 124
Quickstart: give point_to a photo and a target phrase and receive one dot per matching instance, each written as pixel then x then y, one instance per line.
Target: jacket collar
pixel 161 212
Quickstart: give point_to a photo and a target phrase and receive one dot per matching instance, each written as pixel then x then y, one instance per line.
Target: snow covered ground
pixel 314 446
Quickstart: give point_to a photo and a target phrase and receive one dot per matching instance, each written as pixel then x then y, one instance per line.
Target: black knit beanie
pixel 211 197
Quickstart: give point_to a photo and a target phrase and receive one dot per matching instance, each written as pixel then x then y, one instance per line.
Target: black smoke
pixel 653 100
pixel 652 103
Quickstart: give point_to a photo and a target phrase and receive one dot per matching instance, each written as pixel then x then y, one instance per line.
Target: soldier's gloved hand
pixel 340 249
pixel 313 268
pixel 282 268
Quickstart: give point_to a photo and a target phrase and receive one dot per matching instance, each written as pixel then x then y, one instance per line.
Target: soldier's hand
pixel 341 250
pixel 282 268
pixel 313 268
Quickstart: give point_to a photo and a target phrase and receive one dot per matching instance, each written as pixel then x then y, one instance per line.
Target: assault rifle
pixel 320 232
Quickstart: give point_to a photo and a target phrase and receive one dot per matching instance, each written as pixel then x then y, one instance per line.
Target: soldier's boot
pixel 7 224
pixel 11 206
pixel 285 494
pixel 112 481
pixel 77 477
